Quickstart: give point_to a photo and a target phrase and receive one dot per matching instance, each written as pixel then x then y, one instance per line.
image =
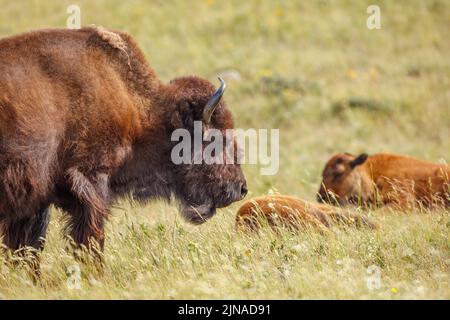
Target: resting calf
pixel 384 179
pixel 294 213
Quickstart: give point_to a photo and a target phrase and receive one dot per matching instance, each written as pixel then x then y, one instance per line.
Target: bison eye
pixel 189 120
pixel 337 175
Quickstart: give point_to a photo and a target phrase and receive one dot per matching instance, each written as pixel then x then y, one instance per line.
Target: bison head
pixel 201 186
pixel 343 182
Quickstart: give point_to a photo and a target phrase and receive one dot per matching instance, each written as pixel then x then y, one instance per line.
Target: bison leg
pixel 86 226
pixel 87 211
pixel 28 232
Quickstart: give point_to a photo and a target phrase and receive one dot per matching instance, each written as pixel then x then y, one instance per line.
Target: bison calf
pixel 384 179
pixel 286 211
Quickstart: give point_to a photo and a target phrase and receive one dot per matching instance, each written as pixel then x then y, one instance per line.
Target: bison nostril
pixel 243 191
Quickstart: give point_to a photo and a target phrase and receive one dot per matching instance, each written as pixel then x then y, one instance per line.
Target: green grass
pixel 313 70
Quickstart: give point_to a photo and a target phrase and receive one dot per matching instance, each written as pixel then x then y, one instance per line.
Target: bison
pixel 384 179
pixel 85 121
pixel 293 213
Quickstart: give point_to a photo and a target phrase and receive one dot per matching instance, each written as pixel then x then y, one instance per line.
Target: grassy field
pixel 313 70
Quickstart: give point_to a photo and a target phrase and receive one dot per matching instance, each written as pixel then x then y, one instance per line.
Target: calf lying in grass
pixel 286 211
pixel 384 179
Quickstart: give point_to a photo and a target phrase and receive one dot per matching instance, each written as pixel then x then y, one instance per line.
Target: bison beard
pixel 204 207
pixel 84 121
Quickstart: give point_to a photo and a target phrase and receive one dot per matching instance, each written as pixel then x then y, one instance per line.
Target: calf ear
pixel 359 160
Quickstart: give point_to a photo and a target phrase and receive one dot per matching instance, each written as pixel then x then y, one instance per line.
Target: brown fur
pixel 385 179
pixel 294 213
pixel 83 121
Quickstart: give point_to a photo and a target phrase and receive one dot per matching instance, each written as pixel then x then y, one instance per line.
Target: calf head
pixel 344 181
pixel 202 187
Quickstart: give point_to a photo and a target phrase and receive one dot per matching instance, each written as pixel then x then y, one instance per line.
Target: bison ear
pixel 359 160
pixel 183 117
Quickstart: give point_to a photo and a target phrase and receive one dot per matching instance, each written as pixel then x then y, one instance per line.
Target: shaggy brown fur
pixel 84 120
pixel 291 212
pixel 384 179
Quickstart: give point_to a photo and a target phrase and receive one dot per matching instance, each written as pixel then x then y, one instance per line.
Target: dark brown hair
pixel 84 120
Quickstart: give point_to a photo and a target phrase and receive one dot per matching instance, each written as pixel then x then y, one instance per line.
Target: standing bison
pixel 84 120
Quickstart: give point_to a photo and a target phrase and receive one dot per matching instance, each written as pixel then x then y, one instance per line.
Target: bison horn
pixel 213 102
